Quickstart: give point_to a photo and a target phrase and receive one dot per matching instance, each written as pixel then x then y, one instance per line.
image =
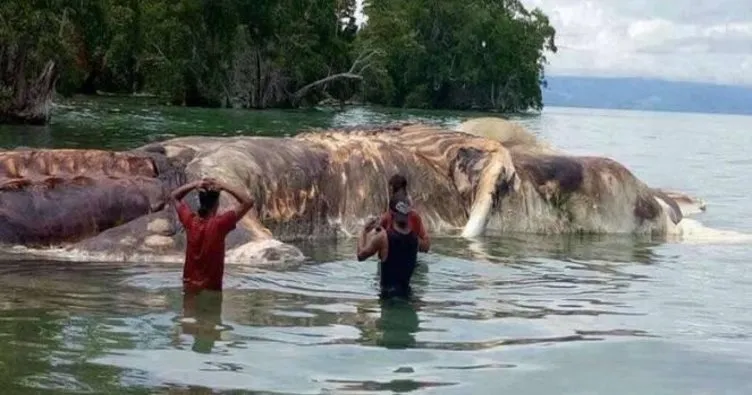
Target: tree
pixel 476 54
pixel 31 50
pixel 471 54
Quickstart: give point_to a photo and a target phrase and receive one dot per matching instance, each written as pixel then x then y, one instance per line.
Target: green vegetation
pixel 450 54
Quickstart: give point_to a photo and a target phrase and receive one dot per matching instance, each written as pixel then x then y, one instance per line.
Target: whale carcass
pixel 101 205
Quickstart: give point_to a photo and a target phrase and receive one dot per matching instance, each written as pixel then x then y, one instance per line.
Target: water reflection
pixel 395 327
pixel 509 248
pixel 468 318
pixel 26 136
pixel 202 319
pixel 398 323
pixel 122 123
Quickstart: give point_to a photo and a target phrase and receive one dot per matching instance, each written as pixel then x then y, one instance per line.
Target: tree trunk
pixel 259 84
pixel 361 63
pixel 27 102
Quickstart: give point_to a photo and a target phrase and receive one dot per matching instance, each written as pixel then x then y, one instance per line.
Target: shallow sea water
pixel 515 314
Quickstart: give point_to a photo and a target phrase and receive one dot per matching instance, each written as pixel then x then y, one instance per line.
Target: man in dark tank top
pixel 397 248
pixel 398 188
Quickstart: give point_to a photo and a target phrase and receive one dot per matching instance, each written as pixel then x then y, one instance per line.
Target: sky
pixel 685 40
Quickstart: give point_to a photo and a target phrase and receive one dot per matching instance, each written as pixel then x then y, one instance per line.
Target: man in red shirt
pixel 398 189
pixel 206 231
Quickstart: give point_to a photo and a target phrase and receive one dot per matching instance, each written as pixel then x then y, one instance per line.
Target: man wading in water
pixel 398 187
pixel 397 247
pixel 206 231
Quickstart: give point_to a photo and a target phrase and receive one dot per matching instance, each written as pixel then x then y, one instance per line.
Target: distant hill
pixel 647 94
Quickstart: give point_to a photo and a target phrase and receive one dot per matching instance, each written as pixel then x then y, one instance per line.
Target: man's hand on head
pixel 209 184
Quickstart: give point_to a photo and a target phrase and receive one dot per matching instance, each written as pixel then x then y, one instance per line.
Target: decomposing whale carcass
pixel 94 204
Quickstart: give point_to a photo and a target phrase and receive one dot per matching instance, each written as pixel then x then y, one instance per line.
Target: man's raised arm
pixel 246 203
pixel 369 242
pixel 179 193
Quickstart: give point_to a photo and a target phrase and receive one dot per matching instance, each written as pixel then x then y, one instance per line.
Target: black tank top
pixel 397 269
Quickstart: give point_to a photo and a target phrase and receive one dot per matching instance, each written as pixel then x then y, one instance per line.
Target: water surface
pixel 518 314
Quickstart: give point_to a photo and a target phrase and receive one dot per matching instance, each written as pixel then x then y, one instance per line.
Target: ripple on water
pixel 56 381
pixel 325 318
pixel 318 327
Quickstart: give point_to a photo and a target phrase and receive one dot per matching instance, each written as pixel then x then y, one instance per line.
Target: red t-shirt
pixel 205 251
pixel 413 221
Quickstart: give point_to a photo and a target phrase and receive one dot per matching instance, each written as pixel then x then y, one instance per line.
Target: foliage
pixel 33 38
pixel 486 54
pixel 281 53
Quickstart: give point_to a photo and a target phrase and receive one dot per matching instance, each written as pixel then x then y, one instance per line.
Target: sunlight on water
pixel 515 314
pixel 469 321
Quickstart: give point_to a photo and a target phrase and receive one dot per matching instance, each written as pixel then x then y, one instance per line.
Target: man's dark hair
pixel 397 183
pixel 399 205
pixel 207 200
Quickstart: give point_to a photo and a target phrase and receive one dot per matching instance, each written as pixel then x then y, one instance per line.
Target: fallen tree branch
pixel 361 64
